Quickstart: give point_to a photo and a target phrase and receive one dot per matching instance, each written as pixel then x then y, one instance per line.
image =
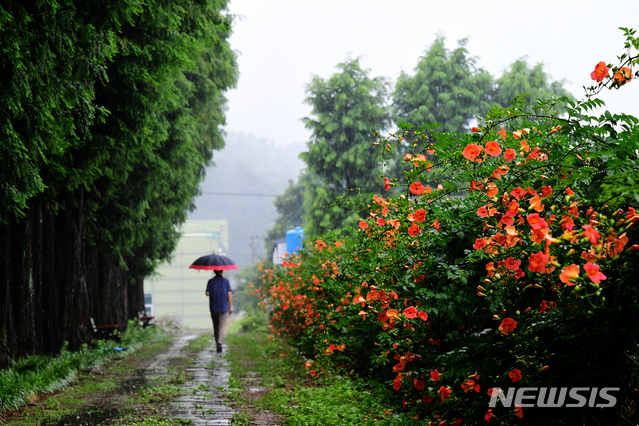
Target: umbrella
pixel 215 262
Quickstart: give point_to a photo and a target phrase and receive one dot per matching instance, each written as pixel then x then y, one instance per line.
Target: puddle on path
pixel 203 402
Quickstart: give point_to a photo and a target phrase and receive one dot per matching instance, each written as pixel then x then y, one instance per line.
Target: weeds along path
pixel 203 400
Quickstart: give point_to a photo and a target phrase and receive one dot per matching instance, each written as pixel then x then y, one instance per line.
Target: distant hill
pixel 247 165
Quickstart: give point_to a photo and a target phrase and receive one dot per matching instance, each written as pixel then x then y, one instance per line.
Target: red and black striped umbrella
pixel 215 262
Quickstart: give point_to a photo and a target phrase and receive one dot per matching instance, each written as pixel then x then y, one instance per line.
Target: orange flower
pixel 493 149
pixel 482 211
pixel 524 146
pixel 544 306
pixel 472 151
pixel 413 230
pixel 492 189
pixel 502 133
pixel 518 411
pixel 474 185
pixel 536 222
pixel 573 210
pixel 398 367
pixel 312 372
pixel 535 202
pixel 420 215
pixel 537 262
pixel 395 223
pixel 568 274
pixel 470 385
pixel 593 273
pixel 480 243
pixel 512 264
pixel 387 184
pixel 546 191
pixel 419 384
pixel 434 375
pixel 518 192
pixel 490 269
pixel 410 312
pixel 392 313
pixel 601 71
pixel 435 225
pixel 358 299
pixel 510 154
pixel 475 129
pixel 555 130
pixel 422 315
pixel 500 171
pixel 417 188
pixel 592 234
pixel 507 326
pixel 515 375
pixel 363 224
pixel 445 392
pixel 382 317
pixel 623 76
pixel 381 221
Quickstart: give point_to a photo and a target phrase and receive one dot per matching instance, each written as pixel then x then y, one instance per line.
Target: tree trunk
pixel 52 281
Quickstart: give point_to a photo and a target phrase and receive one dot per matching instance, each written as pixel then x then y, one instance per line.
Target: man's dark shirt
pixel 218 289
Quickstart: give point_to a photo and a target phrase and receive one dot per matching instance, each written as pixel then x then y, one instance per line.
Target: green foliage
pixel 342 402
pixel 54 55
pixel 120 105
pixel 347 108
pixel 290 209
pixel 244 286
pixel 166 108
pixel 447 89
pixel 45 374
pixel 491 277
pixel 533 82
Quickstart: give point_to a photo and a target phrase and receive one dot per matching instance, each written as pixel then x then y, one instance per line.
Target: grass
pixel 291 392
pixel 34 375
pixel 43 382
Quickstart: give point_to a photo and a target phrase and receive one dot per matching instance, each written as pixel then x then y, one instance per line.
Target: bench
pixel 145 319
pixel 106 331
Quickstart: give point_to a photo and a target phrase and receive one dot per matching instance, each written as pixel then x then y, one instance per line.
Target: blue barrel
pixel 294 239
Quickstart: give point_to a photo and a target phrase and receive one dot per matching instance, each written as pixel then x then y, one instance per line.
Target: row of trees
pixel 110 113
pixel 447 87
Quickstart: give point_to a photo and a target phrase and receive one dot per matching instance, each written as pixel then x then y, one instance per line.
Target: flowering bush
pixel 518 269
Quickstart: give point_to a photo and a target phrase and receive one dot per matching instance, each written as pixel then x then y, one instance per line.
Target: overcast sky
pixel 282 43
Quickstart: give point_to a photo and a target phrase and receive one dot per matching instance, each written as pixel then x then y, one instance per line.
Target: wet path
pixel 203 402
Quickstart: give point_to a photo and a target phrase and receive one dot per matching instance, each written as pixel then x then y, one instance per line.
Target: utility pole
pixel 252 248
pixel 253 237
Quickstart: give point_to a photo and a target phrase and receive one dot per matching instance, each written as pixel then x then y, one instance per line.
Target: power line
pixel 240 194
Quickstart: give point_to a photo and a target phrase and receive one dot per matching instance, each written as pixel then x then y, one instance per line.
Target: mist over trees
pixel 245 169
pixel 111 111
pixel 446 87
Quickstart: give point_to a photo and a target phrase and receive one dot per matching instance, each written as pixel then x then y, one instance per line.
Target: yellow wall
pixel 179 291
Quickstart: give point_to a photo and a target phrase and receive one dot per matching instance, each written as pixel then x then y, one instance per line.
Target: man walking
pixel 218 290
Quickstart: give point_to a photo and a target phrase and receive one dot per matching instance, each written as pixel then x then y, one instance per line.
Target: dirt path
pixel 203 401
